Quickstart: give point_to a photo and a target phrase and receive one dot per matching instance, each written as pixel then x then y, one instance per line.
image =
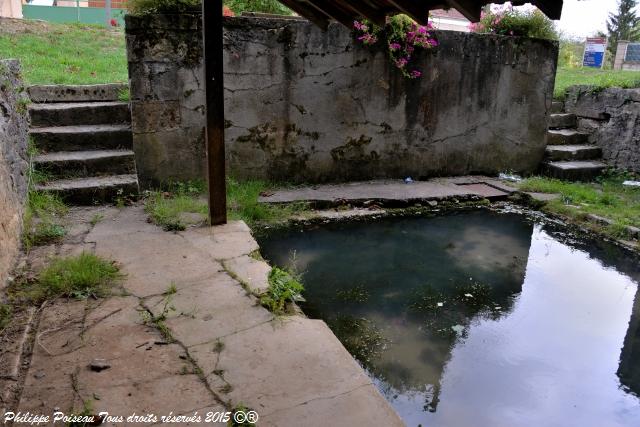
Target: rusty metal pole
pixel 214 107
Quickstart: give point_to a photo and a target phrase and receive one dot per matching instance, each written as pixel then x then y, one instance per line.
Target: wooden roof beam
pixel 470 9
pixel 307 11
pixel 360 7
pixel 418 10
pixel 331 9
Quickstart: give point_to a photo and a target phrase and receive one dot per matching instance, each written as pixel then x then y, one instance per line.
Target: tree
pixel 623 25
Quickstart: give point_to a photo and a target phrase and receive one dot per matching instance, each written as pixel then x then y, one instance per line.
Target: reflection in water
pixel 454 333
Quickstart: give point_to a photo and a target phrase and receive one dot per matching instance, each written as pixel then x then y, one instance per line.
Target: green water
pixel 478 318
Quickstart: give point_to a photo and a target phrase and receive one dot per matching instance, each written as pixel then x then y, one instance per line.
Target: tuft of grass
pixel 96 219
pixel 165 208
pixel 283 288
pixel 124 95
pixel 235 421
pixel 82 276
pixel 242 203
pixel 67 53
pixel 599 79
pixel 41 220
pixel 606 198
pixel 6 314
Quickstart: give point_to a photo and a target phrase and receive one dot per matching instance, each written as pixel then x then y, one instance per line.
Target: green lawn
pixel 606 198
pixel 588 76
pixel 65 53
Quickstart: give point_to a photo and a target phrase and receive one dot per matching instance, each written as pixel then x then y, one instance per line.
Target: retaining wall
pixel 314 106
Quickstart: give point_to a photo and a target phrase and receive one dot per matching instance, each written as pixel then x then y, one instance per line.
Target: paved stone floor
pixel 220 347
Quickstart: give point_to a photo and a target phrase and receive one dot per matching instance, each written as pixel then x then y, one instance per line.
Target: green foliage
pixel 512 22
pixel 43 210
pixel 599 79
pixel 570 54
pixel 240 407
pixel 284 288
pixel 146 7
pixel 262 6
pixel 606 198
pixel 82 276
pixel 124 95
pixel 67 53
pixel 166 208
pixel 6 314
pixel 624 24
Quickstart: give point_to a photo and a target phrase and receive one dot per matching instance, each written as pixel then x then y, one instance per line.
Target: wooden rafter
pixel 335 10
pixel 311 13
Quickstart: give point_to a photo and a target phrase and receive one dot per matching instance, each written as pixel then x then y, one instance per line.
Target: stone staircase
pixel 84 141
pixel 569 155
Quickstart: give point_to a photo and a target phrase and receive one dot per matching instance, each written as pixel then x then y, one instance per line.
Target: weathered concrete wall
pixel 612 117
pixel 13 162
pixel 307 105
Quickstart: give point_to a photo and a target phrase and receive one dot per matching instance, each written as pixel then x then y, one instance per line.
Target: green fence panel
pixel 65 14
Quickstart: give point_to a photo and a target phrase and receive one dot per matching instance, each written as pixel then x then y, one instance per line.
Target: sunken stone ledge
pixel 611 117
pixel 13 162
pixel 314 106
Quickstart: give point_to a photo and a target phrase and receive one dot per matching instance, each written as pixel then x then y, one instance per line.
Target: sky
pixel 587 17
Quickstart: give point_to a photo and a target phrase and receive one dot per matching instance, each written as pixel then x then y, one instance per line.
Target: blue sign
pixel 594 50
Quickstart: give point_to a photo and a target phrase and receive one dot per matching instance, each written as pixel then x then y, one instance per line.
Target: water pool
pixel 478 318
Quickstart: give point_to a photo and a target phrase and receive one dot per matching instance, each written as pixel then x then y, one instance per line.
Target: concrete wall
pixel 307 105
pixel 612 117
pixel 13 162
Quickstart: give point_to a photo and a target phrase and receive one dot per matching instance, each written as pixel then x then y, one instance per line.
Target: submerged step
pixel 79 138
pixel 65 164
pixel 573 152
pixel 88 191
pixel 562 121
pixel 574 170
pixel 77 93
pixel 566 136
pixel 79 113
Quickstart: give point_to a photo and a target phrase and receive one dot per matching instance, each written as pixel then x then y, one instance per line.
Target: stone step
pixel 80 138
pixel 77 93
pixel 574 170
pixel 75 164
pixel 79 113
pixel 557 107
pixel 573 152
pixel 92 190
pixel 562 121
pixel 566 137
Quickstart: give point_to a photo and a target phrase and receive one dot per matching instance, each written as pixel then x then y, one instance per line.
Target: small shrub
pixel 511 22
pixel 283 288
pixel 82 276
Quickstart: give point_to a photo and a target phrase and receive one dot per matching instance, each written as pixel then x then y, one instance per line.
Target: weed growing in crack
pixel 284 288
pixel 159 321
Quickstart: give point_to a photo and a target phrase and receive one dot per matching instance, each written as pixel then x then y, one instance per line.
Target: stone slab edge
pixel 76 93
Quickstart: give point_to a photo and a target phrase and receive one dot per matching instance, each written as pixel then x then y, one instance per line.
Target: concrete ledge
pixel 76 93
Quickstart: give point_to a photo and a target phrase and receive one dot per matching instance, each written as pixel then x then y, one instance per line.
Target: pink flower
pixel 400 63
pixel 394 46
pixel 415 74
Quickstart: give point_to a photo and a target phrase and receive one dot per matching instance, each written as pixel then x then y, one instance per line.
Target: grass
pixel 606 198
pixel 167 208
pixel 43 211
pixel 600 79
pixel 284 287
pixel 67 53
pixel 6 314
pixel 82 276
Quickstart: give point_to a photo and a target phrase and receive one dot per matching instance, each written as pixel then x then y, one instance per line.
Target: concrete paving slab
pixel 389 191
pixel 209 310
pixel 251 272
pixel 222 243
pixel 289 363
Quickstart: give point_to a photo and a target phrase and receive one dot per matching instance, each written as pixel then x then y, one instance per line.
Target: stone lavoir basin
pixel 478 318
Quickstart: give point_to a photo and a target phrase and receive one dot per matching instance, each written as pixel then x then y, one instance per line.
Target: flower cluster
pixel 404 38
pixel 513 22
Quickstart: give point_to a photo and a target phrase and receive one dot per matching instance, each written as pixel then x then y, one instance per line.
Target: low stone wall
pixel 13 162
pixel 314 106
pixel 612 117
